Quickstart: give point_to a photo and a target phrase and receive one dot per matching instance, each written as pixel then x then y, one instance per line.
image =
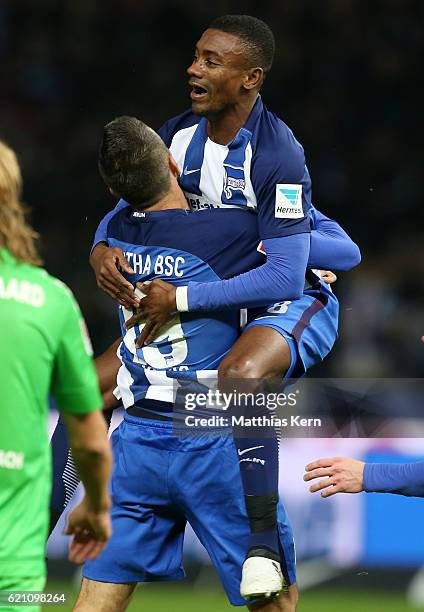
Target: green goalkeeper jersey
pixel 43 348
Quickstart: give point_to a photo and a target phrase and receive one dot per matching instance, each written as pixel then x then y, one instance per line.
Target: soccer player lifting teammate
pixel 43 348
pixel 233 153
pixel 164 478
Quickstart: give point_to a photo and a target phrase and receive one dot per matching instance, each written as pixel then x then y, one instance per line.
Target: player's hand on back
pixel 328 277
pixel 90 530
pixel 155 309
pixel 107 263
pixel 339 475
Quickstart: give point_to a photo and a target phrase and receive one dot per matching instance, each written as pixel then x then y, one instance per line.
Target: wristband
pixel 181 298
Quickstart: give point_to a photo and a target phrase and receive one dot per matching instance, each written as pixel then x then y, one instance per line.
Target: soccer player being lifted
pixel 234 153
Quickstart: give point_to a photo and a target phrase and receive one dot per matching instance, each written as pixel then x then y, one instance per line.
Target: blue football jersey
pixel 262 169
pixel 180 246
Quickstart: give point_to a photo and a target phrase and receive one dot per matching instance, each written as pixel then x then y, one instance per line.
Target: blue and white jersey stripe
pixel 213 175
pixel 253 172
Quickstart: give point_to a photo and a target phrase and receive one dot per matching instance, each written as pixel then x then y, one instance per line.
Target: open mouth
pixel 198 92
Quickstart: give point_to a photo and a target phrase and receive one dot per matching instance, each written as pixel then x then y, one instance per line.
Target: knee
pixel 245 368
pixel 239 369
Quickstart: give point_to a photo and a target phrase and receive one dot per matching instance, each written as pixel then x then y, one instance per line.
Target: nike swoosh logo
pixel 246 450
pixel 190 171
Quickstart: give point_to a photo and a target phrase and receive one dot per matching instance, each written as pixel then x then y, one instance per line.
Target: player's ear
pixel 173 166
pixel 253 78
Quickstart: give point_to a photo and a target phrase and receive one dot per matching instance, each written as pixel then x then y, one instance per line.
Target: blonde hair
pixel 16 235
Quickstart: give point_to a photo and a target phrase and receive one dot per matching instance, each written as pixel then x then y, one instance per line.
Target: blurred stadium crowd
pixel 345 79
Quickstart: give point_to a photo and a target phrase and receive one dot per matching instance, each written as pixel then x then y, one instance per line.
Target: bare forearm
pixel 94 467
pixel 97 254
pixel 92 455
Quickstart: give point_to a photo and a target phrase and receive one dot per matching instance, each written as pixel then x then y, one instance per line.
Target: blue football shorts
pixel 309 325
pixel 160 482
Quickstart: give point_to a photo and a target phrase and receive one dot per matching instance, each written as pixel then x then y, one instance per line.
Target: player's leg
pixel 287 338
pixel 261 353
pixel 147 528
pixel 285 602
pixel 208 487
pixel 104 596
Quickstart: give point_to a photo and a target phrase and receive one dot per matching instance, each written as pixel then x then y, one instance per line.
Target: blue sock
pixel 258 459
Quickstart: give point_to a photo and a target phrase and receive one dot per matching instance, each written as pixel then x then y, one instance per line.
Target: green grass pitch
pixel 179 598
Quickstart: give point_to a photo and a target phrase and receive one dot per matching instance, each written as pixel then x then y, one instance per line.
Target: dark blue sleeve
pixel 170 127
pixel 331 247
pixel 400 478
pixel 281 278
pixel 165 132
pixel 101 232
pixel 282 186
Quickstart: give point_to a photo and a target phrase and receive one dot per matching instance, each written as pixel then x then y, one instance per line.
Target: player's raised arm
pixel 331 247
pixel 281 278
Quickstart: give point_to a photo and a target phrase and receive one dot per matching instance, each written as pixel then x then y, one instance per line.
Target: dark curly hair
pixel 255 34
